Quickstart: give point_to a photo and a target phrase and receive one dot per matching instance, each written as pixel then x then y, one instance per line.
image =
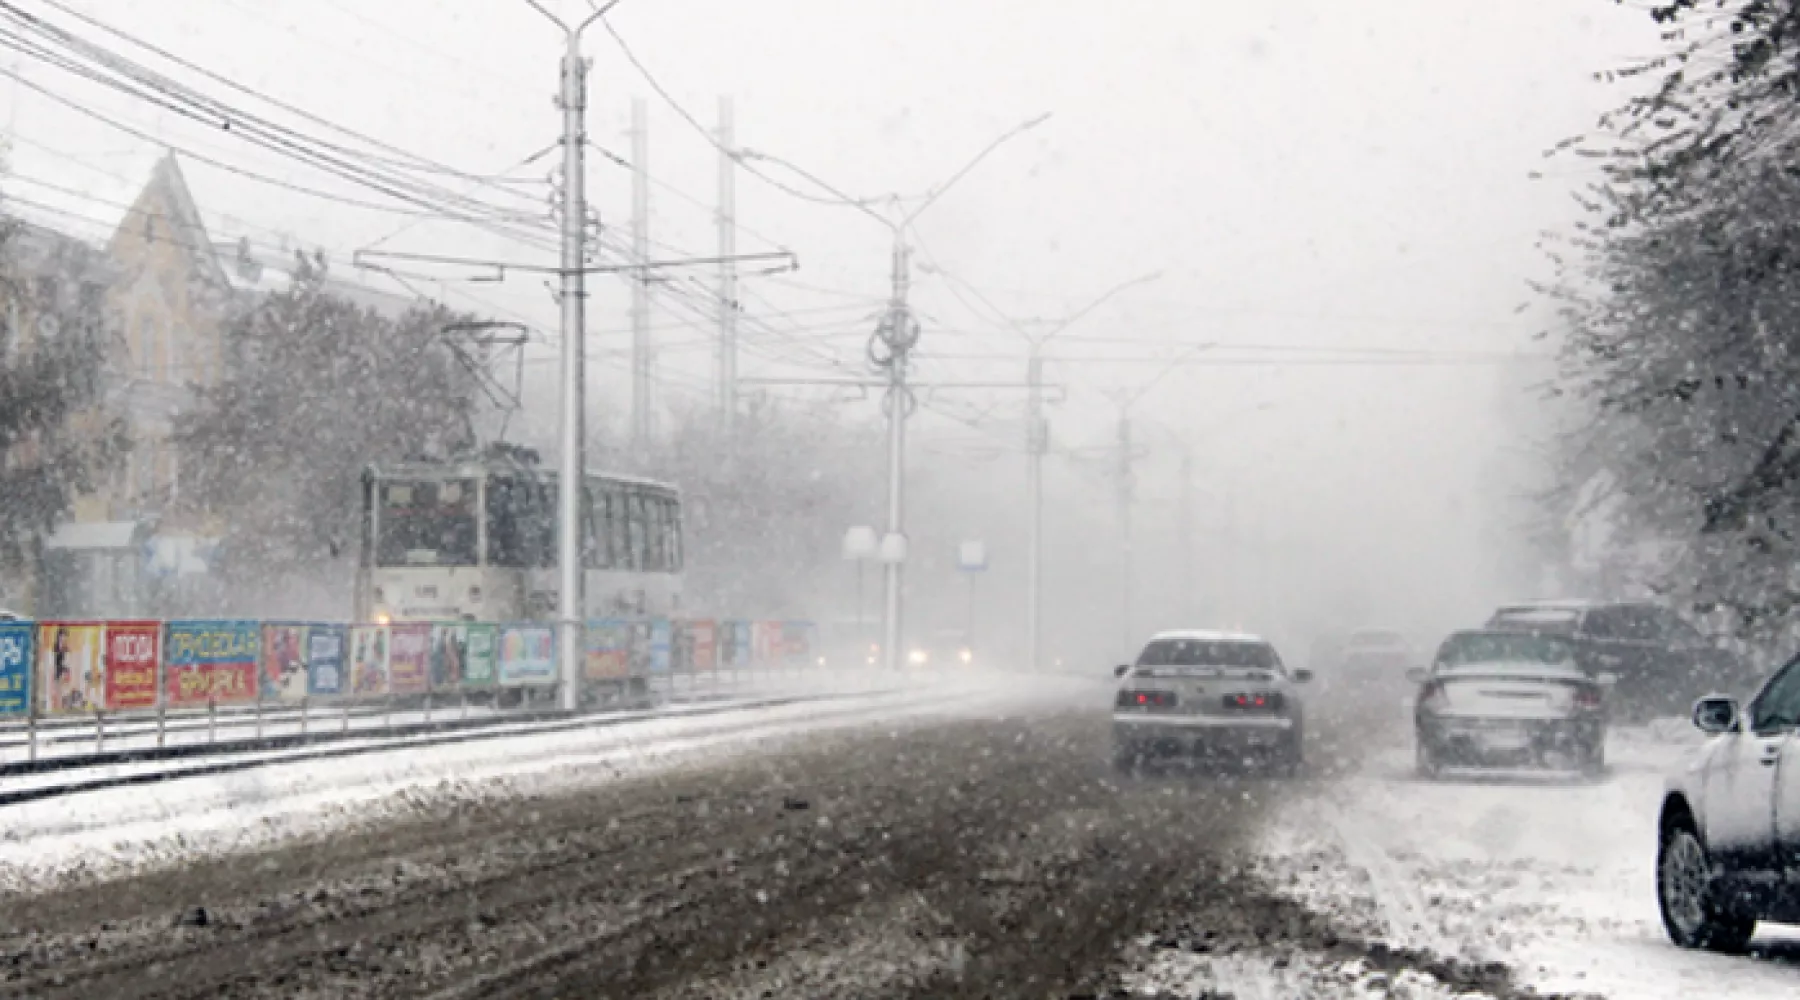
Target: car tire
pixel 1425 760
pixel 1125 760
pixel 1684 896
pixel 1593 760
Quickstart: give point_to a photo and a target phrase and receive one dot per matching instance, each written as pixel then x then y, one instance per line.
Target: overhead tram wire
pixel 403 155
pixel 147 86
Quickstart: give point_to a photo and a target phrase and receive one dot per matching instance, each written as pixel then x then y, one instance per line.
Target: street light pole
pixel 898 333
pixel 1035 445
pixel 570 597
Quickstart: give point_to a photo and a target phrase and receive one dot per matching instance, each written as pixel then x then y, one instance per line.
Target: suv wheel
pixel 1684 894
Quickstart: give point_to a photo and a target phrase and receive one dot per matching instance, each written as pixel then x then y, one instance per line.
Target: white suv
pixel 1728 843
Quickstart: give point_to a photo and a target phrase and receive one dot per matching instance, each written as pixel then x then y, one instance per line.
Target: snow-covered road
pixel 1553 877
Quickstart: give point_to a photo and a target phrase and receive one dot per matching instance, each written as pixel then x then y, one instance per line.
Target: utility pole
pixel 1124 498
pixel 1185 506
pixel 898 333
pixel 642 365
pixel 728 304
pixel 1037 441
pixel 571 600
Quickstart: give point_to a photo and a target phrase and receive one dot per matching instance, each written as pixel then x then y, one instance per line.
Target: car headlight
pixel 917 656
pixel 967 656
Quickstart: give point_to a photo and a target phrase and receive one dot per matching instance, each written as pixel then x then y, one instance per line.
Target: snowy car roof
pixel 1208 635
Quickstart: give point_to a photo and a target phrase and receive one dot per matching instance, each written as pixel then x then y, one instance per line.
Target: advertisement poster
pixel 765 638
pixel 70 666
pixel 796 642
pixel 734 645
pixel 15 667
pixel 480 656
pixel 607 655
pixel 409 658
pixel 527 654
pixel 211 661
pixel 325 660
pixel 368 659
pixel 703 645
pixel 661 646
pixel 132 655
pixel 449 648
pixel 283 673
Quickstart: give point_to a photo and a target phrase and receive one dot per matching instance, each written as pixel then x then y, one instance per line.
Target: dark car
pixel 1661 662
pixel 1506 699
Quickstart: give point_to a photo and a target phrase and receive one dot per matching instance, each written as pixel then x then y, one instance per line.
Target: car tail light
pixel 1260 701
pixel 1433 696
pixel 1587 697
pixel 1146 699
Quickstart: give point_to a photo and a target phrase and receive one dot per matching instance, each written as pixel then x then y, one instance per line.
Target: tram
pixel 475 540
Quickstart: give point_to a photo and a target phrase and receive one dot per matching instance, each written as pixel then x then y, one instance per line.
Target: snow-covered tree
pixel 1682 301
pixel 54 442
pixel 316 389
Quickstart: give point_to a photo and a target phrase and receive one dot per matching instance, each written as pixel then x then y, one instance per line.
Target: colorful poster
pixel 527 655
pixel 282 675
pixel 368 659
pixel 661 647
pixel 325 660
pixel 703 645
pixel 607 654
pixel 449 648
pixel 734 645
pixel 765 639
pixel 132 658
pixel 71 666
pixel 638 657
pixel 480 656
pixel 210 661
pixel 796 643
pixel 15 667
pixel 409 658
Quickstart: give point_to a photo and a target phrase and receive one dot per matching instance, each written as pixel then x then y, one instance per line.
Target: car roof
pixel 1508 632
pixel 1574 604
pixel 1209 635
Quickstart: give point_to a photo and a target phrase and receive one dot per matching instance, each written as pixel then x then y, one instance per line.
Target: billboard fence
pixel 101 668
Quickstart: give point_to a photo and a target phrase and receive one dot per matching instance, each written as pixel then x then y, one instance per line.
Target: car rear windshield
pixel 1207 653
pixel 1557 621
pixel 1472 648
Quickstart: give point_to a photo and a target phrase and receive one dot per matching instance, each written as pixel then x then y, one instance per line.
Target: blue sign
pixel 325 660
pixel 661 643
pixel 15 667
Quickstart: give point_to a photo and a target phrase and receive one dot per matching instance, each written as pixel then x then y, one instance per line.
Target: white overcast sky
pixel 1309 174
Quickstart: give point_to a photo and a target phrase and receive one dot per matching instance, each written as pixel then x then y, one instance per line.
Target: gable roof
pixel 167 195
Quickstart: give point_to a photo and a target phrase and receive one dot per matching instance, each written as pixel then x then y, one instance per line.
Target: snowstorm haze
pixel 1319 188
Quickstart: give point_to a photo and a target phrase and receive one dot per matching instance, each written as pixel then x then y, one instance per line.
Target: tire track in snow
pixel 1405 913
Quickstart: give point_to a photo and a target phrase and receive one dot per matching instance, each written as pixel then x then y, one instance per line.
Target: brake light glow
pixel 1587 697
pixel 1146 699
pixel 1267 701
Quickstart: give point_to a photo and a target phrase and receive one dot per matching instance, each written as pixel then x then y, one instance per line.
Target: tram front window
pixel 427 523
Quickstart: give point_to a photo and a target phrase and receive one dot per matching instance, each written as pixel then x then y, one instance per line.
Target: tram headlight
pixel 917 657
pixel 382 617
pixel 967 655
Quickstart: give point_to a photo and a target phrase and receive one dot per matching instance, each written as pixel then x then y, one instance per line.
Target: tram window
pixel 636 525
pixel 674 543
pixel 427 523
pixel 521 523
pixel 653 520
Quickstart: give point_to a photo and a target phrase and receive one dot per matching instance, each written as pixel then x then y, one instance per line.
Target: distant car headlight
pixel 967 656
pixel 917 657
pixel 382 617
